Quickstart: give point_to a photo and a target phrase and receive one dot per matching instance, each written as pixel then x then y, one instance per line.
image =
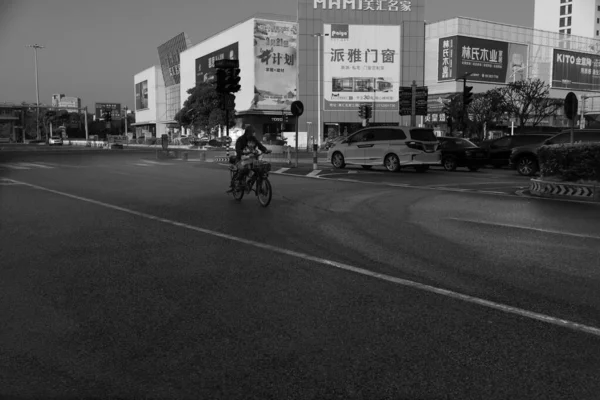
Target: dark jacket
pixel 242 142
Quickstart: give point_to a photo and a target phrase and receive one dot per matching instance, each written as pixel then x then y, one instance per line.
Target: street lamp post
pixel 35 48
pixel 319 100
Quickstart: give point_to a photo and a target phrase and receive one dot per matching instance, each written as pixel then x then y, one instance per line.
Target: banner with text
pixel 205 65
pixel 275 64
pixel 486 60
pixel 576 71
pixel 361 64
pixel 141 95
pixel 115 110
pixel 168 54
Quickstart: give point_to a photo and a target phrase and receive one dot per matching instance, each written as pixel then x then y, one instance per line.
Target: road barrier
pixel 565 190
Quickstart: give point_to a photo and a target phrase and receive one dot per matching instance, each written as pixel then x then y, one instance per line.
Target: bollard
pixel 315 155
pixel 185 156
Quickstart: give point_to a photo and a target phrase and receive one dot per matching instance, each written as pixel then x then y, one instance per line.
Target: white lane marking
pixel 155 162
pixel 307 257
pixel 512 226
pixel 477 183
pixel 12 166
pixel 280 170
pixel 314 172
pixel 24 164
pixel 142 165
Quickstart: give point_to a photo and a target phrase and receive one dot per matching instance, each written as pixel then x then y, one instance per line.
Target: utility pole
pixel 125 117
pixel 35 48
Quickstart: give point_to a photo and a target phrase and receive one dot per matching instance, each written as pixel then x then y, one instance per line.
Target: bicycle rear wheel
pixel 264 191
pixel 238 193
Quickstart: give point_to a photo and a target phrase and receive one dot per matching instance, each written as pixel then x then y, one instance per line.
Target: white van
pixel 393 147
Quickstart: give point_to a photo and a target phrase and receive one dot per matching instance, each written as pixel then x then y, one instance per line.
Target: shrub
pixel 570 162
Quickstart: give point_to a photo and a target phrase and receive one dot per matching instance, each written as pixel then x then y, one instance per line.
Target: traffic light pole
pixel 413 112
pixel 227 128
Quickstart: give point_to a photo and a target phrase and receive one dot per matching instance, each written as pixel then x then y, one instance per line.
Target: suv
pixel 524 159
pixel 499 149
pixel 390 146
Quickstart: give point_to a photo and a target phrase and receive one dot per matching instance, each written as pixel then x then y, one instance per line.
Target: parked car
pixel 55 140
pixel 499 150
pixel 524 159
pixel 458 152
pixel 390 146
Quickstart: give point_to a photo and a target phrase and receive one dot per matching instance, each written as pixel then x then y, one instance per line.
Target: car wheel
pixel 449 163
pixel 527 166
pixel 367 166
pixel 392 163
pixel 473 168
pixel 422 168
pixel 337 159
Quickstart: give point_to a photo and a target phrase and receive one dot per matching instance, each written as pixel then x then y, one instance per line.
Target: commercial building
pixel 60 100
pixel 496 54
pixel 266 47
pixel 157 91
pixel 11 120
pixel 571 17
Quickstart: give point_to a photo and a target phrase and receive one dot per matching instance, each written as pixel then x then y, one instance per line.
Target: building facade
pixel 570 17
pixel 150 103
pixel 353 52
pixel 266 47
pixel 68 102
pixel 496 54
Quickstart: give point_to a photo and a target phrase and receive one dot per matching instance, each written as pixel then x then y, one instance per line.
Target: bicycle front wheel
pixel 264 191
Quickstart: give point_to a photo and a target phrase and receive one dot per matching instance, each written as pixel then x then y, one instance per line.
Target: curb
pixel 565 190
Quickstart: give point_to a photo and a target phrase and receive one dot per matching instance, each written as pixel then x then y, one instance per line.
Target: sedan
pixel 457 152
pixel 57 140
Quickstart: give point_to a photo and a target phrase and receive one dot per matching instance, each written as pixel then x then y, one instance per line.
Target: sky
pixel 94 48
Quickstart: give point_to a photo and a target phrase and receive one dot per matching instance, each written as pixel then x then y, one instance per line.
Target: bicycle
pixel 257 180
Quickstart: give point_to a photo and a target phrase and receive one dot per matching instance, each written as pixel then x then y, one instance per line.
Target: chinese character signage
pixel 486 60
pixel 364 5
pixel 275 64
pixel 168 53
pixel 114 107
pixel 141 95
pixel 576 71
pixel 205 65
pixel 361 63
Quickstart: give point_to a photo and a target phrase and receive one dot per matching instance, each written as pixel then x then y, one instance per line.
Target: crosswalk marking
pixel 280 170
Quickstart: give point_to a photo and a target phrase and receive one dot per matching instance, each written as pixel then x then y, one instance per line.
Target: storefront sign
pixel 205 65
pixel 141 95
pixel 114 107
pixel 168 53
pixel 435 118
pixel 364 5
pixel 486 60
pixel 275 64
pixel 361 64
pixel 576 71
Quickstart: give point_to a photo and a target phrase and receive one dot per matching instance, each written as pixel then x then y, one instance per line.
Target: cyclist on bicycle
pixel 246 145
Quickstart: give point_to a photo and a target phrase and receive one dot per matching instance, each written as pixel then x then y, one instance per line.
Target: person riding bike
pixel 246 144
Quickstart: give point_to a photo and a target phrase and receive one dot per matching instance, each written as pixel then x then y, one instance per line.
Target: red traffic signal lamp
pixel 221 77
pixel 232 80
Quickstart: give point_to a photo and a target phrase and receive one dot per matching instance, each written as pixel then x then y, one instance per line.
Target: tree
pixel 486 109
pixel 203 101
pixel 453 111
pixel 529 101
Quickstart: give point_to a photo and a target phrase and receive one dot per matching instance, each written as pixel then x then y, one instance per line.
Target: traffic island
pixel 565 190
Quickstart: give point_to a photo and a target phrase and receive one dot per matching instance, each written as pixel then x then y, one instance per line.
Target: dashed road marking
pixel 280 170
pixel 578 327
pixel 313 173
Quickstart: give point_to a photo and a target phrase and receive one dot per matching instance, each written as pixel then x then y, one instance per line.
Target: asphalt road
pixel 128 277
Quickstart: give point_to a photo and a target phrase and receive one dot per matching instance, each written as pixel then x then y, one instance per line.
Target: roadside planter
pixel 569 171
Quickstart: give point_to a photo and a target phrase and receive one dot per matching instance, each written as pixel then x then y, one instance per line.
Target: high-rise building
pixel 570 17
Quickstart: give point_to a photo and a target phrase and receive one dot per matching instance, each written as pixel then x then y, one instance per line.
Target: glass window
pixel 562 22
pixel 598 20
pixel 360 136
pixel 447 144
pixel 425 135
pixel 560 138
pixel 569 31
pixel 570 9
pixel 563 10
pixel 568 21
pixel 388 134
pixel 505 141
pixel 593 136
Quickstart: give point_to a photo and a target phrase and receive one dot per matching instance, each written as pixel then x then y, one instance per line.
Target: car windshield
pixel 464 143
pixel 424 135
pixel 55 137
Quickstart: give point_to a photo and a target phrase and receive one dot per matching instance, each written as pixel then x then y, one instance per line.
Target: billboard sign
pixel 141 95
pixel 575 71
pixel 205 65
pixel 361 63
pixel 486 60
pixel 114 107
pixel 168 53
pixel 275 64
pixel 360 5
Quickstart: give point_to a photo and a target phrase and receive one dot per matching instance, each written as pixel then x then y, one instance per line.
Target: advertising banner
pixel 275 64
pixel 361 64
pixel 576 71
pixel 141 95
pixel 487 60
pixel 168 53
pixel 114 107
pixel 205 65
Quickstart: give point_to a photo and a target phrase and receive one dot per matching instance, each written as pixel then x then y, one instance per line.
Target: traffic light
pixel 221 76
pixel 232 80
pixel 368 112
pixel 362 111
pixel 467 95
